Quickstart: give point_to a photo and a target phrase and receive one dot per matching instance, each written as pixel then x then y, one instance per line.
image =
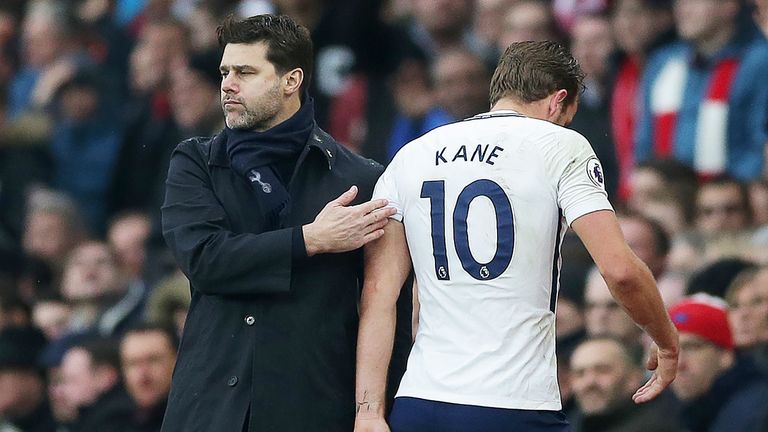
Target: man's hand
pixel 371 425
pixel 339 228
pixel 663 363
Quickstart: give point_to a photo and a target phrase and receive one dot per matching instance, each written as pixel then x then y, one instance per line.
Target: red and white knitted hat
pixel 705 316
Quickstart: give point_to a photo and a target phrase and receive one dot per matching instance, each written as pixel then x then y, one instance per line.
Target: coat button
pixel 250 320
pixel 232 381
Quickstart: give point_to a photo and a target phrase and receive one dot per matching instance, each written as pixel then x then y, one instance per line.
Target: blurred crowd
pixel 95 95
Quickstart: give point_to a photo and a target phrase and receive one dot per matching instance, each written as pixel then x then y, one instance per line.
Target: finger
pixel 347 197
pixel 374 235
pixel 378 215
pixel 371 205
pixel 376 226
pixel 649 391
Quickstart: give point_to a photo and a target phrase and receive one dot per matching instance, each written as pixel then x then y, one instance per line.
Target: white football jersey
pixel 484 203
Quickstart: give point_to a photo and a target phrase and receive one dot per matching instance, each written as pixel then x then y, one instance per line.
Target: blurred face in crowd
pixel 251 92
pixel 489 18
pixel 47 236
pixel 79 104
pixel 635 25
pixel 592 44
pixel 604 317
pixel 461 84
pixel 42 40
pixel 52 317
pixel 148 359
pixel 452 19
pixel 639 236
pixel 758 198
pixel 748 312
pixel 702 20
pixel 569 316
pixel 21 391
pixel 193 98
pixel 721 208
pixel 159 46
pixel 81 381
pixel 527 20
pixel 602 376
pixel 700 363
pixel 761 14
pixel 90 273
pixel 62 407
pixel 128 237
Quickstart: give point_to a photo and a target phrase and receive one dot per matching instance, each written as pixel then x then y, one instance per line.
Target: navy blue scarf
pixel 267 159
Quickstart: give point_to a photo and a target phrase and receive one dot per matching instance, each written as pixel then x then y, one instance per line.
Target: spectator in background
pixel 604 316
pixel 195 98
pixel 51 314
pixel 149 130
pixel 651 243
pixel 705 98
pixel 717 393
pixel 592 45
pixel 761 15
pixel 604 375
pixel 460 83
pixel 639 26
pixel 14 312
pixel 567 12
pixel 451 28
pixel 90 374
pixel 723 207
pixel 658 181
pixel 23 402
pixel 169 302
pixel 527 20
pixel 104 303
pixel 53 227
pixel 85 143
pixel 747 298
pixel 147 355
pixel 489 20
pixel 127 235
pixel 715 277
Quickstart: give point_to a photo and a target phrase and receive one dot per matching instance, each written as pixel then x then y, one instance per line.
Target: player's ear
pixel 556 102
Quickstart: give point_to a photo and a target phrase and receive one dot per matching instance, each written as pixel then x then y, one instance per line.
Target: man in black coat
pixel 267 220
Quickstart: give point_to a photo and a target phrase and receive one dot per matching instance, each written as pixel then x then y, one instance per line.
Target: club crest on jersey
pixel 595 172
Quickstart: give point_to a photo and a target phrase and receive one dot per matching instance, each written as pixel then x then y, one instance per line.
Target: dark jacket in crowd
pixel 737 401
pixel 111 409
pixel 266 337
pixel 653 416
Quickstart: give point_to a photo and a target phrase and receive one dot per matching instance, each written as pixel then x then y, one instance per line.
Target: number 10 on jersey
pixel 505 230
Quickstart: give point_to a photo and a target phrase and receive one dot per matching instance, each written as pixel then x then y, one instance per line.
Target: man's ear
pixel 557 101
pixel 292 80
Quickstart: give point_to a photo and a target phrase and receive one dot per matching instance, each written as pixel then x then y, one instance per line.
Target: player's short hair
pixel 289 44
pixel 530 71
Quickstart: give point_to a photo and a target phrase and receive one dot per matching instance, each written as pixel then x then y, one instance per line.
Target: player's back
pixel 483 202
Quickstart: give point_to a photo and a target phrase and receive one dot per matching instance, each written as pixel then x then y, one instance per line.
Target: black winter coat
pixel 265 336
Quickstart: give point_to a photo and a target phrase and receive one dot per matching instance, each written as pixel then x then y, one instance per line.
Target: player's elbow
pixel 624 276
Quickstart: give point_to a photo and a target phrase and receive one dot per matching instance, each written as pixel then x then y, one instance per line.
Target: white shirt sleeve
pixel 579 177
pixel 386 188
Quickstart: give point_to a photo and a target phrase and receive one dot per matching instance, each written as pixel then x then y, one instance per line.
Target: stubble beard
pixel 258 117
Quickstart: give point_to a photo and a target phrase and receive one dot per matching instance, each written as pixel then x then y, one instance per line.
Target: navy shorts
pixel 419 415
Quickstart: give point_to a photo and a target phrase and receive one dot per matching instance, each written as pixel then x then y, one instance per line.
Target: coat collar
pixel 319 141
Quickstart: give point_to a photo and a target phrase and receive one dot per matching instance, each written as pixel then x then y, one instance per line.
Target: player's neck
pixel 537 109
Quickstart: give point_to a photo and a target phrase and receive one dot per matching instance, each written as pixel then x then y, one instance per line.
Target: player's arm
pixel 387 265
pixel 634 288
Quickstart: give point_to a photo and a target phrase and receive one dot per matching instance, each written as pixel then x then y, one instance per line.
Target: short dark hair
pixel 289 44
pixel 661 240
pixel 530 71
pixel 144 327
pixel 103 351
